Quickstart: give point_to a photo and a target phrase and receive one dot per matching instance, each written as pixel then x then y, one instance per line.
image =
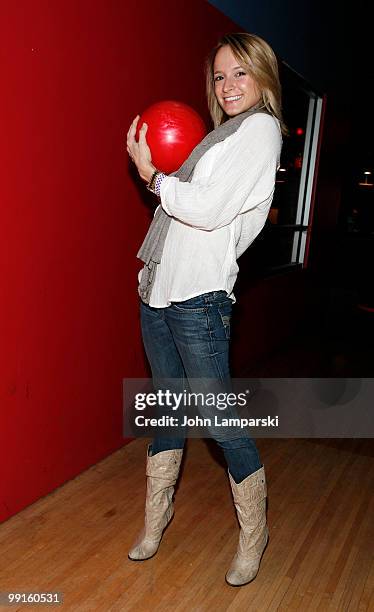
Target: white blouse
pixel 219 213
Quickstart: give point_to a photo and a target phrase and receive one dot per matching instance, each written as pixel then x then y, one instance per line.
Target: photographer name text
pixel 197 421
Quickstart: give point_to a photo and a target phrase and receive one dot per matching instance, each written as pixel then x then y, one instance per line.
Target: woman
pixel 211 210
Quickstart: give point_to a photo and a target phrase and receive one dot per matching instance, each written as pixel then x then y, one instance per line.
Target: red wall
pixel 74 74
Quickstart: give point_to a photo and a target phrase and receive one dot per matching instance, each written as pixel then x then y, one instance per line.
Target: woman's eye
pixel 239 73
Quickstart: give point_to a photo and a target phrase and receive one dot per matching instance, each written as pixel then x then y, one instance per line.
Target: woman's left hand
pixel 140 152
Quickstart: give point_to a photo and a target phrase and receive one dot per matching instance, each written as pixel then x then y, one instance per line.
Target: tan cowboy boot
pixel 162 473
pixel 250 503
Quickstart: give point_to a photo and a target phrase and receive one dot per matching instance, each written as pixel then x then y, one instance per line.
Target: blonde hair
pixel 259 59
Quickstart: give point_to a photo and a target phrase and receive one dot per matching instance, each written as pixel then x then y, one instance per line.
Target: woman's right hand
pixel 140 152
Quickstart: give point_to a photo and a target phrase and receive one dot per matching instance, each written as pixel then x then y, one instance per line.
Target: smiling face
pixel 236 91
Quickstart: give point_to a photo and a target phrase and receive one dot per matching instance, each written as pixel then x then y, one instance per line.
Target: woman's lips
pixel 232 100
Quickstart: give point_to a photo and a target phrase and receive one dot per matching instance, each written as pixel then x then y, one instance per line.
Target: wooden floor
pixel 319 557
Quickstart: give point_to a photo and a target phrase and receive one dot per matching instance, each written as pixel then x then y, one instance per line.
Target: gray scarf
pixel 151 250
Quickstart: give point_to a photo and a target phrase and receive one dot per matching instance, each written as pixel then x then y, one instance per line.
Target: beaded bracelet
pixel 159 178
pixel 154 184
pixel 151 184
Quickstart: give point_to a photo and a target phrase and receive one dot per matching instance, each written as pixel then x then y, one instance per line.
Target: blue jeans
pixel 189 341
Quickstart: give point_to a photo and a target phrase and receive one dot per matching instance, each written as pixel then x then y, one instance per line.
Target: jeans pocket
pixel 225 314
pixel 181 307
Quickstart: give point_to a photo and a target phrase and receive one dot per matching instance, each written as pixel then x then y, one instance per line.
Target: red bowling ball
pixel 174 129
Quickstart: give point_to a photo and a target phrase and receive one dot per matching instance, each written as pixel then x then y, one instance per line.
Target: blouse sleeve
pixel 243 177
pixel 251 226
